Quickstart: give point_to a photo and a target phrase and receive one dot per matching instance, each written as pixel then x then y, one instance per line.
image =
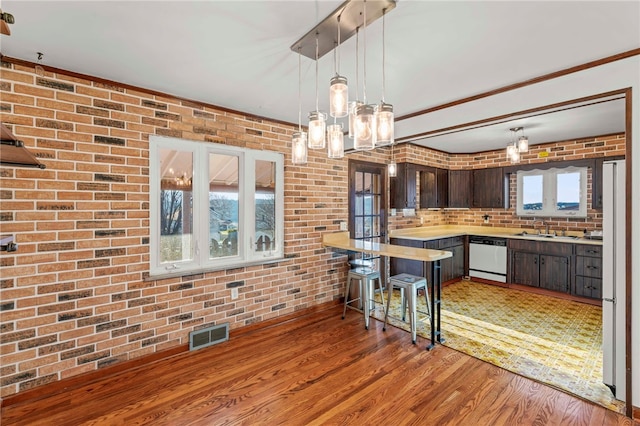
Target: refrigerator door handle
pixel 606 299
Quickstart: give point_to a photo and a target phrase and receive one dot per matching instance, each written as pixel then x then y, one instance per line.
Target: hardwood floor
pixel 317 369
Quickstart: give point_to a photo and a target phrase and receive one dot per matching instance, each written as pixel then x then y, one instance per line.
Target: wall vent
pixel 208 336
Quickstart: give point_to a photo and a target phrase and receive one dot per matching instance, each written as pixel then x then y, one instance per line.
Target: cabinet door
pixel 554 273
pixel 460 187
pixel 488 188
pixel 402 188
pixel 458 261
pixel 525 268
pixel 442 188
pixel 428 188
pixel 588 287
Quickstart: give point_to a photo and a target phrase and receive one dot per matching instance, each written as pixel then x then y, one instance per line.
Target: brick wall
pixel 74 295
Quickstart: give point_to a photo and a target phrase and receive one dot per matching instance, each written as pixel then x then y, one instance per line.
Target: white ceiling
pixel 236 54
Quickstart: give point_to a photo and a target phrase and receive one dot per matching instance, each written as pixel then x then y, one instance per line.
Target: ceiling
pixel 236 54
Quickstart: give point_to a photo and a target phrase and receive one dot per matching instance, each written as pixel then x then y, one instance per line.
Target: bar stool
pixel 365 277
pixel 409 286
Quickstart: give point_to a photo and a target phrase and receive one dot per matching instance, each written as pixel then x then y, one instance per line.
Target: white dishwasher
pixel 488 258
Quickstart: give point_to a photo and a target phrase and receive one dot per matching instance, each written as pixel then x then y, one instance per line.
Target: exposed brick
pixel 182 286
pixel 110 196
pixel 77 352
pixel 126 330
pixel 80 109
pixel 7 306
pixel 59 347
pixel 58 85
pixel 53 124
pixel 278 306
pixel 142 301
pixel 66 316
pixel 43 380
pixel 20 377
pixel 39 341
pixel 154 341
pixel 57 246
pixel 17 336
pixel 110 233
pixel 93 357
pixel 109 123
pixel 152 104
pixel 105 362
pixel 110 325
pixel 168 116
pixel 93 320
pixel 84 264
pixel 75 295
pixel 109 178
pixel 235 284
pixel 109 140
pixel 100 103
pixel 110 252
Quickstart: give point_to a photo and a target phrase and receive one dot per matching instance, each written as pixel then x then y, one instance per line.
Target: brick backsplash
pixel 75 296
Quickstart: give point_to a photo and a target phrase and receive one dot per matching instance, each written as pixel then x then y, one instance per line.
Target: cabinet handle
pixel 542 260
pixel 593 251
pixel 535 260
pixel 591 267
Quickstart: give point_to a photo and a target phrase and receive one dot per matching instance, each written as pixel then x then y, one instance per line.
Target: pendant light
pixel 299 138
pixel 353 105
pixel 392 167
pixel 523 142
pixel 317 124
pixel 338 89
pixel 335 138
pixel 365 125
pixel 384 111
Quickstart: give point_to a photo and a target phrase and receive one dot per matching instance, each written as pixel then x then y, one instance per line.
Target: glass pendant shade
pixel 392 168
pixel 523 144
pixel 299 148
pixel 384 124
pixel 364 138
pixel 338 97
pixel 353 105
pixel 513 154
pixel 317 130
pixel 336 141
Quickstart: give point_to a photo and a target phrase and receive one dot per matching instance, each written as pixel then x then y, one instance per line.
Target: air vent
pixel 208 336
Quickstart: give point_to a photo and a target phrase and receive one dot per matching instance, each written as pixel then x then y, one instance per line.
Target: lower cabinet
pixel 450 269
pixel 588 281
pixel 541 264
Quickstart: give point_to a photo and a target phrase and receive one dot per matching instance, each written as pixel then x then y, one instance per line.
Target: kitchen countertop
pixel 341 240
pixel 426 233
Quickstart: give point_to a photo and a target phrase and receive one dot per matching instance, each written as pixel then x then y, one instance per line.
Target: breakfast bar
pixel 341 240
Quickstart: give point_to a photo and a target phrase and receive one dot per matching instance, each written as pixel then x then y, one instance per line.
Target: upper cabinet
pixel 434 184
pixel 460 188
pixel 489 188
pixel 402 188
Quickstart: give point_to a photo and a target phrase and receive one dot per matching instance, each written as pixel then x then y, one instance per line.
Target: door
pixel 554 273
pixel 525 268
pixel 367 201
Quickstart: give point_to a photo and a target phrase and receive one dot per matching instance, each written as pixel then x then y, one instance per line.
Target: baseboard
pixel 64 385
pixel 636 413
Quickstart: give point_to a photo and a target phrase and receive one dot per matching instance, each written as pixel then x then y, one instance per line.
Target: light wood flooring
pixel 317 369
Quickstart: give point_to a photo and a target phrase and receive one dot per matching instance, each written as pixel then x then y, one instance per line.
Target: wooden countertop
pixel 426 233
pixel 341 240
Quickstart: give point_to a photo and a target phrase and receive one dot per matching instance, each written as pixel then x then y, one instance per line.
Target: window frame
pixel 549 192
pixel 202 261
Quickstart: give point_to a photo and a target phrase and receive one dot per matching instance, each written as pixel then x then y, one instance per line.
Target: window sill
pixel 175 274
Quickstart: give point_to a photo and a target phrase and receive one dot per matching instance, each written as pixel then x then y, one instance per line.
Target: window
pixel 213 206
pixel 552 192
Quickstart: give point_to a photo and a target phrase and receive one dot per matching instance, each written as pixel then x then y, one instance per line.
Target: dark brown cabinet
pixel 450 268
pixel 403 188
pixel 588 267
pixel 541 264
pixel 489 188
pixel 460 188
pixel 434 187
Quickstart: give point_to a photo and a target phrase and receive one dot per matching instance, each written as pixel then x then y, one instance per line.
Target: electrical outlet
pixel 343 226
pixel 234 293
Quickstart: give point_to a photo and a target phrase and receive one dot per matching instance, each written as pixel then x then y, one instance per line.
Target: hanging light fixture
pixel 335 138
pixel 338 89
pixel 299 138
pixel 38 68
pixel 353 105
pixel 392 167
pixel 384 111
pixel 317 119
pixel 517 145
pixel 365 123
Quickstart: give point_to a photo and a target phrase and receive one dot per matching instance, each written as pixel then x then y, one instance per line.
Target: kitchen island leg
pixel 436 294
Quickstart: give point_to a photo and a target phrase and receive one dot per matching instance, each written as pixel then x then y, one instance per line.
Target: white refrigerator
pixel 613 278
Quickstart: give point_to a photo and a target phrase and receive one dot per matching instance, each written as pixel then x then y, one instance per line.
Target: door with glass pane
pixel 367 201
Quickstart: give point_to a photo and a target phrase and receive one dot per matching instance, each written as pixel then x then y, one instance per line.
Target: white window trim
pixel 549 191
pixel 246 209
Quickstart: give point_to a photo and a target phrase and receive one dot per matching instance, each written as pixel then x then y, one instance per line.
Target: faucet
pixel 543 224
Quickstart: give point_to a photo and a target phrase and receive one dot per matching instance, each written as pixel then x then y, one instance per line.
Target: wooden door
pixel 554 273
pixel 525 268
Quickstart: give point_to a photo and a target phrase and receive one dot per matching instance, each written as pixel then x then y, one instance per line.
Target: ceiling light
pixel 317 125
pixel 517 145
pixel 299 138
pixel 349 17
pixel 39 69
pixel 338 89
pixel 384 111
pixel 392 167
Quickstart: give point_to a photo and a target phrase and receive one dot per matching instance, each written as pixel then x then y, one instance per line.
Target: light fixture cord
pixel 317 71
pixel 383 57
pixel 299 91
pixel 364 57
pixel 357 61
pixel 338 48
